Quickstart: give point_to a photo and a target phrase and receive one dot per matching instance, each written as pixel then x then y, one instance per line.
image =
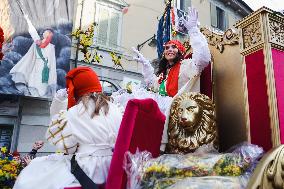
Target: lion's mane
pixel 181 141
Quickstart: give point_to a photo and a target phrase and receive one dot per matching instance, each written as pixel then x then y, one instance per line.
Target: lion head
pixel 191 123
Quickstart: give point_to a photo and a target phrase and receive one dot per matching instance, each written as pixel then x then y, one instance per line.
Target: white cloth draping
pixel 74 131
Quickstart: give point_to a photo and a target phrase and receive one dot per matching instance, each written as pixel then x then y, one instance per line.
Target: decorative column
pixel 262 47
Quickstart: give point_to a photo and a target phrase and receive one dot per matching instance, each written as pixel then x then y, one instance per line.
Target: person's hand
pixel 140 58
pixel 27 159
pixel 192 19
pixel 61 94
pixel 38 145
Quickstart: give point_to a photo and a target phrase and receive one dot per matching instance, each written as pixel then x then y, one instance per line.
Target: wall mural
pixel 37 46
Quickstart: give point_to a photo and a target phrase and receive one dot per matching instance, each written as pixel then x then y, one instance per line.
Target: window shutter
pixel 103 26
pixel 213 12
pixel 114 30
pixel 227 24
pixel 187 3
pixel 184 4
pixel 108 30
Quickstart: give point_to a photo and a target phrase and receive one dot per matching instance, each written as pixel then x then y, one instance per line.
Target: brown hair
pixel 164 66
pixel 100 100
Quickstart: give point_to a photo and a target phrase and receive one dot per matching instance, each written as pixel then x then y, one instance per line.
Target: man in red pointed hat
pixel 174 71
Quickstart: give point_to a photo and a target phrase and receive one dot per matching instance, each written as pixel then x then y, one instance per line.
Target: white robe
pixel 74 131
pixel 27 73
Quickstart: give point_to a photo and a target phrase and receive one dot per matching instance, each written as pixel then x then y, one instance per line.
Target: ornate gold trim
pixel 213 79
pixel 230 37
pixel 277 46
pixel 270 82
pixel 249 30
pixel 276 30
pixel 246 101
pixel 252 34
pixel 252 49
pixel 251 37
pixel 249 18
pixel 262 30
pixel 269 171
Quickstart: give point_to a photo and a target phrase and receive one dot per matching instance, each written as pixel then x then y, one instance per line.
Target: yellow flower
pixel 188 174
pixel 4 149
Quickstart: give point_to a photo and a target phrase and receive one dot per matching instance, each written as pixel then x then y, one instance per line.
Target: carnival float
pixel 231 141
pixel 246 88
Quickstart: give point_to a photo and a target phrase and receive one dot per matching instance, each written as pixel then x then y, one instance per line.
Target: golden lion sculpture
pixel 192 123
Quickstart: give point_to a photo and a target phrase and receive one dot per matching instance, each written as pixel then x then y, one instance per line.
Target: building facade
pixel 123 24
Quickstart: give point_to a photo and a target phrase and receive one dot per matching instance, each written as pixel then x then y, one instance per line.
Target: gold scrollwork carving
pixel 230 37
pixel 276 32
pixel 270 170
pixel 252 34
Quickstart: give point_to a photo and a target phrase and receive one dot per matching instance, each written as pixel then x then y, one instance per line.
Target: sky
pixel 277 5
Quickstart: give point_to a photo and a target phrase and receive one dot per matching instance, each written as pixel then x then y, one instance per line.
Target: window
pixel 219 18
pixel 109 20
pixel 183 4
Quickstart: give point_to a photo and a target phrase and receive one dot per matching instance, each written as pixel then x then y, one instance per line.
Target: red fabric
pixel 179 45
pixel 1 42
pixel 1 35
pixel 141 127
pixel 188 56
pixel 278 65
pixel 173 16
pixel 80 81
pixel 260 131
pixel 16 154
pixel 172 80
pixel 206 81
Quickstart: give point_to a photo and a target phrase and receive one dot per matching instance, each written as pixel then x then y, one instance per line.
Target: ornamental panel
pixel 252 34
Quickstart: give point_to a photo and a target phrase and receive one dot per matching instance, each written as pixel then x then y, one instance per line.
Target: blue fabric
pixel 164 30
